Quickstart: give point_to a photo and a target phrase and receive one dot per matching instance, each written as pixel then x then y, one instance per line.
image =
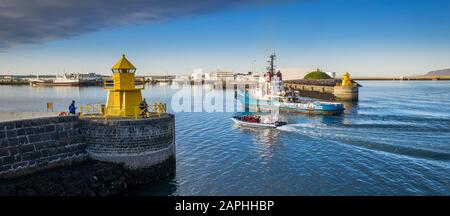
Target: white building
pixel 197 75
pixel 222 75
pixel 207 76
pixel 253 77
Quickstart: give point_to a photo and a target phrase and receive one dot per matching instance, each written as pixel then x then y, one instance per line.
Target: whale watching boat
pixel 257 121
pixel 269 94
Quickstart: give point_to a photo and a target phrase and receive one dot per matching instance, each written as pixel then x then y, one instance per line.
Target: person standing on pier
pixel 143 106
pixel 72 108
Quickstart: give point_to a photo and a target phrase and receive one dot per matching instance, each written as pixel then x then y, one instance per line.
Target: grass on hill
pixel 315 75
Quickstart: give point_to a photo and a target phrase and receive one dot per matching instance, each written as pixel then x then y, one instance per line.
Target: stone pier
pixel 346 93
pixel 111 152
pixel 27 146
pixel 328 89
pixel 137 144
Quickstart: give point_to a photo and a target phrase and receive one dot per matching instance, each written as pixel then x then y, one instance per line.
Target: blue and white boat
pixel 269 95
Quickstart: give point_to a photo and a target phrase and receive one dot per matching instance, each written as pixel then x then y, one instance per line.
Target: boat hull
pixel 55 84
pixel 254 125
pixel 327 108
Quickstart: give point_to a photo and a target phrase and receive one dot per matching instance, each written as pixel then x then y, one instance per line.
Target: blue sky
pixel 364 37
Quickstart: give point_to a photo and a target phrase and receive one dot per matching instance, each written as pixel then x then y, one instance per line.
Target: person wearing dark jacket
pixel 72 108
pixel 143 106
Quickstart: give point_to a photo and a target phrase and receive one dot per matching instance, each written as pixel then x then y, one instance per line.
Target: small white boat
pixel 240 122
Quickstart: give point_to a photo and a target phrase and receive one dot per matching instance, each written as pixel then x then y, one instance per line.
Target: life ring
pixel 62 114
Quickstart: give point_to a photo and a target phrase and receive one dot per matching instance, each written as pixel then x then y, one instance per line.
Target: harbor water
pixel 394 141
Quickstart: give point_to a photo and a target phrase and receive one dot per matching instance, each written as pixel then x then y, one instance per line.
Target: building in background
pixel 197 75
pixel 222 75
pixel 207 76
pixel 248 77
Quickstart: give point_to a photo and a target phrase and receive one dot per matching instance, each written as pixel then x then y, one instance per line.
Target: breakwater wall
pixel 146 146
pixel 127 151
pixel 328 89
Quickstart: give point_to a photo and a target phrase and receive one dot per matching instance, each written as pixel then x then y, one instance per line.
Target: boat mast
pixel 271 66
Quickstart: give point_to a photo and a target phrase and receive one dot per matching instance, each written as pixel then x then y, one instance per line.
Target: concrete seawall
pixel 127 151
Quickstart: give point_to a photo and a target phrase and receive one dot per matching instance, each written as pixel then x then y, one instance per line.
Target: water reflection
pixel 314 119
pixel 266 136
pixel 264 139
pixel 67 92
pixel 350 107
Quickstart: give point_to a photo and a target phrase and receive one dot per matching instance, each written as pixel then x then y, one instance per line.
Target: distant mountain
pixel 444 72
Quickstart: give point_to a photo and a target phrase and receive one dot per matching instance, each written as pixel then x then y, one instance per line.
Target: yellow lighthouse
pixel 124 98
pixel 346 81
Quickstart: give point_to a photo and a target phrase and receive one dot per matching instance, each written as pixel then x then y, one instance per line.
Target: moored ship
pixel 269 94
pixel 64 80
pixel 90 79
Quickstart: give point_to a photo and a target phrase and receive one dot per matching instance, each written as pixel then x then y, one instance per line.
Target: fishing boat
pixel 36 81
pixel 181 80
pixel 256 121
pixel 64 80
pixel 269 94
pixel 90 79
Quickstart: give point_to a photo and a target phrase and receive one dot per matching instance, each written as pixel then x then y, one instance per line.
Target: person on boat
pixel 143 106
pixel 251 118
pixel 246 118
pixel 257 119
pixel 268 119
pixel 72 108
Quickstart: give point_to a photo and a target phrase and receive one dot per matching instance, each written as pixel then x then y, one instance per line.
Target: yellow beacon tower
pixel 346 81
pixel 123 98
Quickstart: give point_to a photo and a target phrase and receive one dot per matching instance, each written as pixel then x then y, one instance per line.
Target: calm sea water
pixel 394 141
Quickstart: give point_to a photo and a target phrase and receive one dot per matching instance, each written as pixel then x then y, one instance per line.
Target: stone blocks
pixel 134 143
pixel 33 144
pixel 145 147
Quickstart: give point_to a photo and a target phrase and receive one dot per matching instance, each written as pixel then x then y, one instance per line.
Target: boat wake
pixel 338 135
pixel 301 127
